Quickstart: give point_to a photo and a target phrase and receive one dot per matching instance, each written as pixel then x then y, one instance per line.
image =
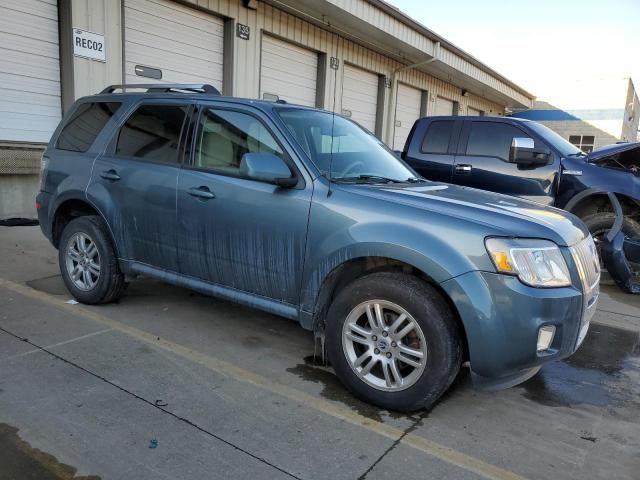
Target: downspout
pixel 394 90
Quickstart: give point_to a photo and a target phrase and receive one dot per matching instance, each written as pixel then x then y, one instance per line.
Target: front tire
pixel 393 341
pixel 88 261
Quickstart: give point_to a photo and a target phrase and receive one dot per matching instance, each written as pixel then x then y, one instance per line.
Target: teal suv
pixel 306 215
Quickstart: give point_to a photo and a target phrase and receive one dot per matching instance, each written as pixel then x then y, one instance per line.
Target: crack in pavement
pixel 396 442
pixel 151 403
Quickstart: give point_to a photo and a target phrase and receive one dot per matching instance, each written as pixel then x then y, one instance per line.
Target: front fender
pixel 437 259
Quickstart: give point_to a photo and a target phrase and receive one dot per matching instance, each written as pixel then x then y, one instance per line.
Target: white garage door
pixel 473 112
pixel 185 44
pixel 29 70
pixel 407 112
pixel 288 72
pixel 360 96
pixel 444 106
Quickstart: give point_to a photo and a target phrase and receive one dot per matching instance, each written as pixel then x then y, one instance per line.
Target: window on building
pixel 84 126
pixel 225 136
pixel 437 138
pixel 152 133
pixel 492 139
pixel 583 142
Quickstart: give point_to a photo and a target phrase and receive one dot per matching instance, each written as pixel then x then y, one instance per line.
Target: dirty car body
pixel 307 216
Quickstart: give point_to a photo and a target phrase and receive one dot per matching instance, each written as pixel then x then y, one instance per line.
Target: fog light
pixel 545 337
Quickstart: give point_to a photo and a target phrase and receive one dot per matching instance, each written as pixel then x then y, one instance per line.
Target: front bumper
pixel 502 316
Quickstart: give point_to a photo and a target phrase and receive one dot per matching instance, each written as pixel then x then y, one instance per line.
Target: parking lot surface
pixel 167 383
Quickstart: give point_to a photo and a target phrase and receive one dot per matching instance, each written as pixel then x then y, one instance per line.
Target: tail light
pixel 44 165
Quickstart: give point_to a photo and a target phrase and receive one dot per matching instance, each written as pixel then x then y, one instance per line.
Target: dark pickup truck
pixel 526 159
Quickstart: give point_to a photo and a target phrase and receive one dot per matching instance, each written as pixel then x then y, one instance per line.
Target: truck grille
pixel 586 258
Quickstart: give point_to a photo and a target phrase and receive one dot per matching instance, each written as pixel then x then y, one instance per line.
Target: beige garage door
pixel 444 106
pixel 473 112
pixel 186 45
pixel 29 70
pixel 407 112
pixel 288 72
pixel 360 96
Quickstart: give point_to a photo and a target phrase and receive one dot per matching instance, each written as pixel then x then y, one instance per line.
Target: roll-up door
pixel 184 44
pixel 473 112
pixel 444 106
pixel 29 70
pixel 408 104
pixel 288 72
pixel 360 96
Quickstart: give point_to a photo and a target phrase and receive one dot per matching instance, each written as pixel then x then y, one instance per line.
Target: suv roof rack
pixel 166 88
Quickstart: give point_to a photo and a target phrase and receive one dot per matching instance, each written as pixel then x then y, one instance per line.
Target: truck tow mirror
pixel 523 152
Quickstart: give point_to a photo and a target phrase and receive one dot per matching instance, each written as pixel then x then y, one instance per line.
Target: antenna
pixel 333 112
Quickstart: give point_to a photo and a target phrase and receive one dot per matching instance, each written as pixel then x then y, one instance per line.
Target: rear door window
pixel 84 126
pixel 152 133
pixel 438 137
pixel 490 139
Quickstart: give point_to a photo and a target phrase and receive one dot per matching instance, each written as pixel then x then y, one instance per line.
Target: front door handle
pixel 110 175
pixel 463 169
pixel 202 192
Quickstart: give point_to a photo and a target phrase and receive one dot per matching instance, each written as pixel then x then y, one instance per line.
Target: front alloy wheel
pixel 384 345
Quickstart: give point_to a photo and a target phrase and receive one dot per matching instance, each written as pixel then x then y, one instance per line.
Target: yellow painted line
pixel 442 452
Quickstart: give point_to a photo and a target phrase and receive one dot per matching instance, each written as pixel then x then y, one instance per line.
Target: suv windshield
pixel 563 147
pixel 357 155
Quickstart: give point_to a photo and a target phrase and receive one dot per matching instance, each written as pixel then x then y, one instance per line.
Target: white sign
pixel 89 45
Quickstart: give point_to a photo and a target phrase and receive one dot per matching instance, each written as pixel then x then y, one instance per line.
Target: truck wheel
pixel 393 341
pixel 599 225
pixel 88 262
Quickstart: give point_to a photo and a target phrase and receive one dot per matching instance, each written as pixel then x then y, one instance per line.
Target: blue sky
pixel 537 43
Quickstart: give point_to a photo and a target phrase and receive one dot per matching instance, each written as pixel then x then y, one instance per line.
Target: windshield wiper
pixel 366 179
pixel 416 180
pixel 577 154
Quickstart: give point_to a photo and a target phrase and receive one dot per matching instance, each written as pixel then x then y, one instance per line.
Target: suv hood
pixel 502 214
pixel 609 150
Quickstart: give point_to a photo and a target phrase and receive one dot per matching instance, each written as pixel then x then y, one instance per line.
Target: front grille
pixel 585 256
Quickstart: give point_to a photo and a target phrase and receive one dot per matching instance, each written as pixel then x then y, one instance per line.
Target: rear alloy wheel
pixel 88 261
pixel 83 261
pixel 393 341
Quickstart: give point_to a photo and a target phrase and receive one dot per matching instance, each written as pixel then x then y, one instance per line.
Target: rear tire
pixel 432 332
pixel 88 262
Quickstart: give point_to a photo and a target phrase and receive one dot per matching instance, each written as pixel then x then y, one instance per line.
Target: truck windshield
pixel 563 147
pixel 340 145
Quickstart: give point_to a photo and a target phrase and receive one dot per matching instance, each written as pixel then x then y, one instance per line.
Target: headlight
pixel 538 263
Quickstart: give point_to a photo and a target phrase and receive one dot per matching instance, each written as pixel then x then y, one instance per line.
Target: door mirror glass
pixel 523 152
pixel 267 167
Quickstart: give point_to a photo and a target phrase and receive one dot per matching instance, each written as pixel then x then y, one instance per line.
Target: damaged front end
pixel 620 253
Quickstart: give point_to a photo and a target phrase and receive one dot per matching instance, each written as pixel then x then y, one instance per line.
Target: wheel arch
pixel 70 209
pixel 597 200
pixel 358 267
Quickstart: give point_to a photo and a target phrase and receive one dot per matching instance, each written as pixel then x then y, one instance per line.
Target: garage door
pixel 408 104
pixel 444 106
pixel 288 72
pixel 360 96
pixel 186 45
pixel 29 70
pixel 473 112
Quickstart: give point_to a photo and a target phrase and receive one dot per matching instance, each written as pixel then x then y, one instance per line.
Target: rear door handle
pixel 201 192
pixel 110 175
pixel 463 168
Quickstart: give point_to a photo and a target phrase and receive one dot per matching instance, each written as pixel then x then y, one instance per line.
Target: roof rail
pixel 165 88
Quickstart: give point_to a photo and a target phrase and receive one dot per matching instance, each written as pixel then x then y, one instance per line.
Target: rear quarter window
pixel 85 125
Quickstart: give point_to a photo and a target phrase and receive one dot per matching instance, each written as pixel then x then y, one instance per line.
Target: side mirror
pixel 523 152
pixel 267 167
